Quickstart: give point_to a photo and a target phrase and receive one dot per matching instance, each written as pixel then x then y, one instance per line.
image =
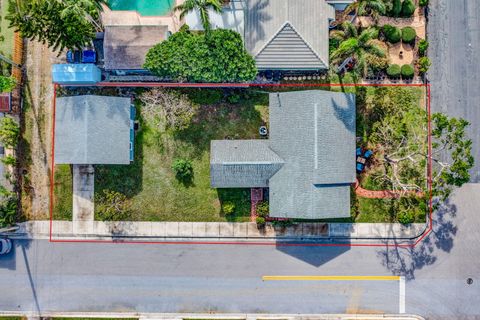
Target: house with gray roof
pixel 93 129
pixel 288 35
pixel 308 162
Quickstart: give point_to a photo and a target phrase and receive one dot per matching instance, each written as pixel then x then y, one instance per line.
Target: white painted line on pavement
pixel 402 295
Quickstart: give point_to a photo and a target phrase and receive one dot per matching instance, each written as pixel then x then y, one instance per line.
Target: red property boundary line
pixel 239 85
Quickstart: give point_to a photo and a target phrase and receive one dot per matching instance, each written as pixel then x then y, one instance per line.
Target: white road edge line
pixel 402 295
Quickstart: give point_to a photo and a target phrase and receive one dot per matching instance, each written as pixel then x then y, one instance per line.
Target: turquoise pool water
pixel 144 7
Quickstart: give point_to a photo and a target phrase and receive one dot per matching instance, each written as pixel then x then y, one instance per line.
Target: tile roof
pixel 125 47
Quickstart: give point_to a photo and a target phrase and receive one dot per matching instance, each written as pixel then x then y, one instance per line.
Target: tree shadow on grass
pixel 405 261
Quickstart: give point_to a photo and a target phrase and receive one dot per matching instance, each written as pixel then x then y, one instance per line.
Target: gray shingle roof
pixel 125 47
pixel 242 163
pixel 92 130
pixel 312 135
pixel 281 47
pixel 314 131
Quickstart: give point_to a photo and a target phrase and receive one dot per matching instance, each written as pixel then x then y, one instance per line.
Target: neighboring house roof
pixel 242 163
pixel 312 134
pixel 92 130
pixel 280 34
pixel 125 47
pixel 266 30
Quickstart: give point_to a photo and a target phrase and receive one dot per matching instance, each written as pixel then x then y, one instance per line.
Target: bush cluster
pixel 218 56
pixel 407 71
pixel 228 208
pixel 262 209
pixel 392 33
pixel 422 47
pixel 408 35
pixel 403 9
pixel 393 71
pixel 406 217
pixel 423 64
pixel 183 169
pixel 423 3
pixel 408 8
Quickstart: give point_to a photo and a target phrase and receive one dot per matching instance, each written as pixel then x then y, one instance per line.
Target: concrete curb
pixel 218 316
pixel 220 231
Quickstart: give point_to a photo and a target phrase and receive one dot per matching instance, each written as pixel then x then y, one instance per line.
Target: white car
pixel 5 246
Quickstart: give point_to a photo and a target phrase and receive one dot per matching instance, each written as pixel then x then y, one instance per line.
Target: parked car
pixel 5 246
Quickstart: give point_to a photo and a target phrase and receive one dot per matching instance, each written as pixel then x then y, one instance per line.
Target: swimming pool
pixel 144 7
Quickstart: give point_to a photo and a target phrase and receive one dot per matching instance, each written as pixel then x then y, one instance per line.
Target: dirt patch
pixel 401 53
pixel 35 145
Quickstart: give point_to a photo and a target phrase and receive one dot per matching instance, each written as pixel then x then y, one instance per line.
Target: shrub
pixel 393 71
pixel 262 209
pixel 234 98
pixel 408 35
pixel 168 109
pixel 408 8
pixel 407 71
pixel 423 3
pixel 9 132
pixel 260 222
pixel 7 84
pixel 219 56
pixel 393 34
pixel 9 160
pixel 112 206
pixel 205 96
pixel 406 217
pixel 396 8
pixel 423 64
pixel 8 207
pixel 422 47
pixel 228 208
pixel 183 169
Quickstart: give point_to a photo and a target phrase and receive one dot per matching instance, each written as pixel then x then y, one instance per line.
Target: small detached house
pixel 308 162
pixel 93 129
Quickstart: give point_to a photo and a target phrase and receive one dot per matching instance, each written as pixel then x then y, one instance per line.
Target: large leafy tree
pixel 58 23
pixel 363 47
pixel 399 133
pixel 217 57
pixel 372 8
pixel 203 6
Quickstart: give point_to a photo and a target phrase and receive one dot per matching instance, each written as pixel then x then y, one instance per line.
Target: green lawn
pixel 150 182
pixel 63 192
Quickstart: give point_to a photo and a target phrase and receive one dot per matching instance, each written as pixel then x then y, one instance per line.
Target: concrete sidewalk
pixel 215 316
pixel 223 230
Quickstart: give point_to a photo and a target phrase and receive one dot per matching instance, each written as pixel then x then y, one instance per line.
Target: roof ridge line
pixel 298 34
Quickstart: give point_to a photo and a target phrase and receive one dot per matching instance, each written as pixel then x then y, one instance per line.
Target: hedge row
pixel 406 71
pixel 394 34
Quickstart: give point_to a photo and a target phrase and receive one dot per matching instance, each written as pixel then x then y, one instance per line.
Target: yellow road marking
pixel 331 278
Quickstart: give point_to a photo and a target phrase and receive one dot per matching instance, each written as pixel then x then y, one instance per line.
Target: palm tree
pixel 361 47
pixel 84 8
pixel 203 7
pixel 347 30
pixel 372 8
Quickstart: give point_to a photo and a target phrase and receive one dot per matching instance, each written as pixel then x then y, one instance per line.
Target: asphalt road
pixel 45 276
pixel 454 37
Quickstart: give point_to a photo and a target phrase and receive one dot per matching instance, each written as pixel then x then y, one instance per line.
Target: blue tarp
pixel 71 74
